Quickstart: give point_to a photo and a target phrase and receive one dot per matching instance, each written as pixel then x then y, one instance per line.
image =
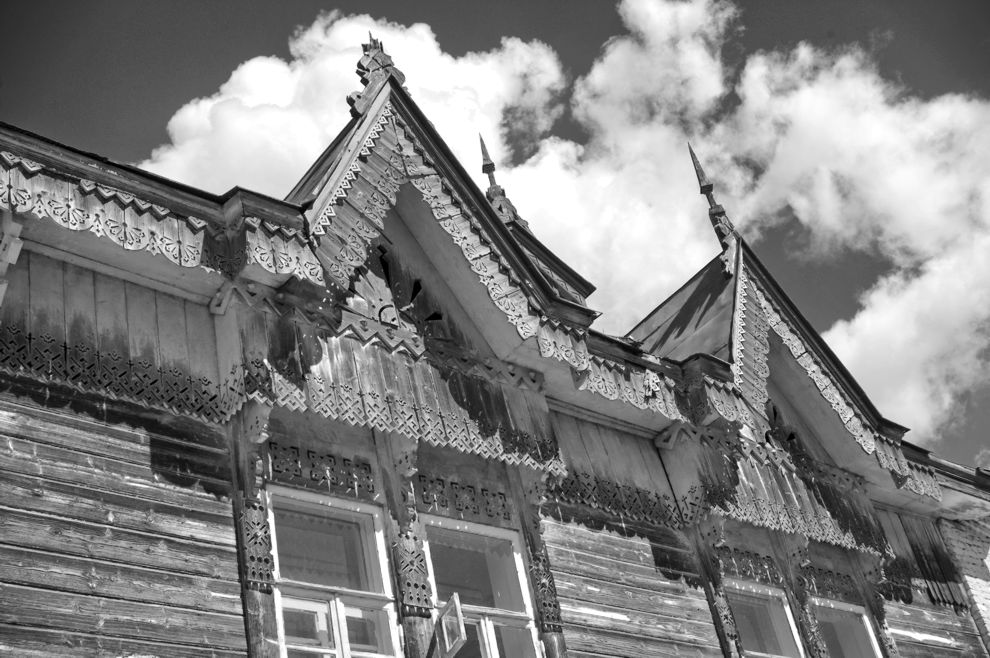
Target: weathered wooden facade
pixel 239 425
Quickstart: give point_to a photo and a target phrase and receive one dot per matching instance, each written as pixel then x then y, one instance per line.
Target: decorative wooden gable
pixel 734 311
pixel 763 314
pixel 389 161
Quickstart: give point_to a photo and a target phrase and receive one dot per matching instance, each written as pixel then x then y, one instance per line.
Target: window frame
pixel 484 617
pixel 337 599
pixel 770 592
pixel 858 610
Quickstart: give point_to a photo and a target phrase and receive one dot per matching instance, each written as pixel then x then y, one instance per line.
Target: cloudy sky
pixel 849 140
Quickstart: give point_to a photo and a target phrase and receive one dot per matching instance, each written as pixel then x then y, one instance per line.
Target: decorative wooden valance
pixel 320 470
pixel 134 224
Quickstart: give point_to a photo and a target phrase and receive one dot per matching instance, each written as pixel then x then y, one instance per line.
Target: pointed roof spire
pixel 704 184
pixel 496 195
pixel 724 229
pixel 487 166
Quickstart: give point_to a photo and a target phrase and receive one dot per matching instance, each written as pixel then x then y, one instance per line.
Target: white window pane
pixel 368 630
pixel 301 653
pixel 320 546
pixel 472 648
pixel 304 627
pixel 845 632
pixel 307 623
pixel 515 642
pixel 482 570
pixel 762 624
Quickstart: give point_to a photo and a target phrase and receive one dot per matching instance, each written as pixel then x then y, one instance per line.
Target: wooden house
pixel 242 425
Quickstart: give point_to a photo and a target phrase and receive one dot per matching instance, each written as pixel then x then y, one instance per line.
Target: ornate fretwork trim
pixel 922 481
pixel 426 410
pixel 280 250
pixel 108 213
pixel 757 482
pixel 353 216
pixel 748 565
pixel 138 225
pixel 828 584
pixel 749 346
pixel 415 594
pixel 887 451
pixel 459 500
pixel 324 471
pixel 115 376
pixel 541 576
pixel 432 415
pixel 625 502
pixel 257 567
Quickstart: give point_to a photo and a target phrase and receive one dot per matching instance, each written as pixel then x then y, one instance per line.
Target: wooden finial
pixel 704 184
pixel 487 166
pixel 724 229
pixel 374 68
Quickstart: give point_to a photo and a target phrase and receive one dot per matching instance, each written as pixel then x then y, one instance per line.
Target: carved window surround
pixel 478 502
pixel 619 502
pixel 321 471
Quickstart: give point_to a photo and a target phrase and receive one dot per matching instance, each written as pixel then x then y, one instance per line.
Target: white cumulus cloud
pixel 807 135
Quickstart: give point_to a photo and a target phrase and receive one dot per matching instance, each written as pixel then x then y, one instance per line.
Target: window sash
pixel 336 601
pixel 857 614
pixel 770 595
pixel 484 617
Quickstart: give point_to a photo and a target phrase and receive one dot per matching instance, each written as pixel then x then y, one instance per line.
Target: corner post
pixel 413 591
pixel 707 537
pixel 869 574
pixel 529 489
pixel 792 558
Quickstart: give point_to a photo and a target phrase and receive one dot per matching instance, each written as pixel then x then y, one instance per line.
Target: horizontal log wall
pixel 113 540
pixel 924 630
pixel 615 601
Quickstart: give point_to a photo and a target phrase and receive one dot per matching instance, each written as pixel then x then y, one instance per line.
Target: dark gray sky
pixel 106 77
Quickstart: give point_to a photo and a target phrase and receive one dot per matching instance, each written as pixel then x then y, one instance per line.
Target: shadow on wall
pixel 181 451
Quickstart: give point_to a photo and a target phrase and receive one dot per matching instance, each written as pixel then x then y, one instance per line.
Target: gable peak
pixel 374 69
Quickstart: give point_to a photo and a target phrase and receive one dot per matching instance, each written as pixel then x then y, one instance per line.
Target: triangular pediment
pixel 779 360
pixel 390 183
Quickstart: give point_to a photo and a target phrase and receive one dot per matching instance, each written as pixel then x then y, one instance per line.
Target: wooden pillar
pixel 529 489
pixel 707 537
pixel 868 570
pixel 413 591
pixel 247 432
pixel 792 557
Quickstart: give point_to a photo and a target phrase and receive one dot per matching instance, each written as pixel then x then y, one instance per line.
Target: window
pixel 332 589
pixel 846 629
pixel 484 567
pixel 763 620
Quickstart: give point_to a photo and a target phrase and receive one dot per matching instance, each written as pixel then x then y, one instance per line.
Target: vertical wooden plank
pixel 80 306
pixel 47 317
pixel 47 301
pixel 201 342
pixel 142 324
pixel 171 319
pixel 142 341
pixel 111 316
pixel 16 303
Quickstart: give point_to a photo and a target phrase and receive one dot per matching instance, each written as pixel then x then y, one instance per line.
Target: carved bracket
pixel 10 248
